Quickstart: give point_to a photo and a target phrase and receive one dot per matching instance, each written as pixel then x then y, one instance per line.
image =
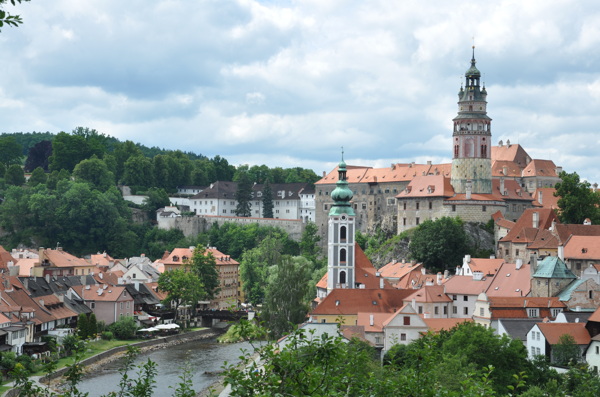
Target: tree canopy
pixel 577 201
pixel 439 244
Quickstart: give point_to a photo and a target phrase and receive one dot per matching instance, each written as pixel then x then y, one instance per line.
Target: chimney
pixel 519 264
pixel 502 186
pixel 508 143
pixel 136 284
pixel 101 275
pixel 500 143
pixel 439 278
pixel 540 197
pixel 26 283
pixel 82 279
pixel 504 170
pixel 41 302
pixel 381 283
pixel 324 174
pixel 48 278
pixel 371 320
pixel 423 270
pixel 561 252
pixel 446 274
pixel 536 220
pixel 414 304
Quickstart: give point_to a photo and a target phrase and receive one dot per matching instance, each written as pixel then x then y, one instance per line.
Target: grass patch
pixel 91 349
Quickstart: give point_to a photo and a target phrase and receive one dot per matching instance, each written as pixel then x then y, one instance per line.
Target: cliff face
pixel 481 240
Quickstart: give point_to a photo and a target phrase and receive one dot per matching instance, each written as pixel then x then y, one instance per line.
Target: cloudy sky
pixel 287 83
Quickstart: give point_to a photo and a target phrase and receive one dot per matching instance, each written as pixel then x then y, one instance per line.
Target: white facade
pixel 592 356
pixel 536 343
pixel 307 207
pixel 406 326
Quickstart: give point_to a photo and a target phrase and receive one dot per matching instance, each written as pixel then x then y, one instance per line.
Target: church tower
pixel 342 221
pixel 471 139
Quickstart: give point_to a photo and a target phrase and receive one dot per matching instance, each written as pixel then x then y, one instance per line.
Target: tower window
pixel 342 277
pixel 343 255
pixel 343 233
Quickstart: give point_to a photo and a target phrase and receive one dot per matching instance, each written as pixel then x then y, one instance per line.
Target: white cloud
pixel 291 82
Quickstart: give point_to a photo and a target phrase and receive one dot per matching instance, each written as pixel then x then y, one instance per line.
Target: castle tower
pixel 342 222
pixel 471 139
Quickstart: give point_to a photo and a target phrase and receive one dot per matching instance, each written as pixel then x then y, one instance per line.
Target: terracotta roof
pixel 500 166
pixel 544 239
pixel 595 317
pixel 510 282
pixel 465 285
pixel 582 247
pixel 553 331
pixel 505 223
pixel 101 259
pixel 323 282
pixel 25 266
pixel 415 279
pixel 398 269
pixel 108 294
pixel 364 319
pixel 564 231
pixel 497 302
pixel 429 294
pixel 428 186
pixel 439 324
pixel 354 331
pixel 5 258
pixel 176 257
pixel 60 258
pixel 524 231
pixel 510 152
pixel 513 190
pixel 354 301
pixel 545 197
pixel 540 168
pixel 394 173
pixel 221 258
pixel 487 266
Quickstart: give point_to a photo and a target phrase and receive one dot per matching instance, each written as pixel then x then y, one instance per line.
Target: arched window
pixel 342 277
pixel 343 255
pixel 455 150
pixel 343 233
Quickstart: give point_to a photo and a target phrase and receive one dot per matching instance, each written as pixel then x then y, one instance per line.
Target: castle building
pixel 481 179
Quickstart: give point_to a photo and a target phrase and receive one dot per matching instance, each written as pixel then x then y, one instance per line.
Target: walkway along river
pixel 206 358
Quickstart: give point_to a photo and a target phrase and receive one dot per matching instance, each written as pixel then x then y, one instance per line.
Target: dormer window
pixel 175 258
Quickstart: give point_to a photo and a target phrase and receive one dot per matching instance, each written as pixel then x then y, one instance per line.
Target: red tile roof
pixel 428 186
pixel 398 269
pixel 510 282
pixel 553 331
pixel 564 231
pixel 354 301
pixel 465 285
pixel 429 294
pixel 523 231
pixel 542 168
pixel 582 247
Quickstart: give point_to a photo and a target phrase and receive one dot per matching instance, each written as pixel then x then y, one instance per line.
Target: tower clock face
pixel 343 217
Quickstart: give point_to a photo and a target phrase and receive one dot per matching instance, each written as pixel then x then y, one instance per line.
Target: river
pixel 203 355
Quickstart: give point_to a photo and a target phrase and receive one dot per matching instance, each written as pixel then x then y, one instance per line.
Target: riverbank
pixel 95 362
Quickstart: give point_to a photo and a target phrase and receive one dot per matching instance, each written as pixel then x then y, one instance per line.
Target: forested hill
pixel 71 198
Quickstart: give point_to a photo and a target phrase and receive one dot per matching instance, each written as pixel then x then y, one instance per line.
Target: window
pixel 532 312
pixel 417 220
pixel 92 305
pixel 465 298
pixel 405 205
pixel 516 252
pixel 417 205
pixel 404 221
pixel 420 309
pixel 121 305
pixel 597 349
pixel 407 321
pixel 378 340
pixel 481 313
pixel 466 311
pixel 538 351
pixel 402 336
pixel 453 208
pixel 430 205
pixel 224 211
pixel 391 201
pixel 445 310
pixel 483 208
pixel 454 310
pixel 532 351
pixel 436 310
pixel 343 255
pixel 538 334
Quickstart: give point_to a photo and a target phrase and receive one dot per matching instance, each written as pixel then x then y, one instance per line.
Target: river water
pixel 203 356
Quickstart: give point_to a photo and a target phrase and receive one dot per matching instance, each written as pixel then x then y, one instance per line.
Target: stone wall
pixel 194 225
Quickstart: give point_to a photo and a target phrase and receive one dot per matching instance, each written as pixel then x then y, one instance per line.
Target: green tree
pixel 267 200
pixel 67 151
pixel 204 265
pixel 566 352
pixel 157 198
pixel 577 201
pixel 92 326
pixel 439 244
pixel 95 172
pixel 83 331
pixel 255 265
pixel 38 176
pixel 123 152
pixel 309 242
pixel 286 297
pixel 183 287
pixel 14 175
pixel 10 151
pixel 137 171
pixel 243 195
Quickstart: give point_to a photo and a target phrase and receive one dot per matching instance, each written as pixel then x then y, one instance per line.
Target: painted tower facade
pixel 342 227
pixel 471 160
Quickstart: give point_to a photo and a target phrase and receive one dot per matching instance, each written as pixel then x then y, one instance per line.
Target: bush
pixel 107 335
pixel 125 328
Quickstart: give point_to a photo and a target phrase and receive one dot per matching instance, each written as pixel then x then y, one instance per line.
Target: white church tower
pixel 342 227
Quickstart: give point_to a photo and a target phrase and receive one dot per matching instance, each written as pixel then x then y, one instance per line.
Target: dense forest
pixel 71 198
